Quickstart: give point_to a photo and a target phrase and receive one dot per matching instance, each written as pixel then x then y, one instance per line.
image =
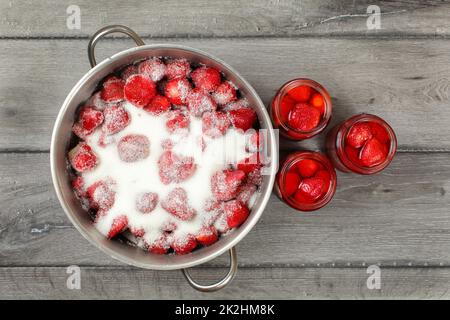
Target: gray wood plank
pixel 397 218
pixel 404 81
pixel 201 18
pixel 250 283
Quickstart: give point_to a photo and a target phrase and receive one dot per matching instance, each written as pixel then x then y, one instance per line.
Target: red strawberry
pixel 177 121
pixel 251 163
pixel 206 78
pixel 177 90
pixel 352 154
pixel 159 246
pixel 129 71
pixel 225 184
pixel 199 102
pixel 173 168
pixel 153 68
pixel 207 236
pixel 246 192
pixel 146 202
pixel 137 232
pixel 303 117
pixel 112 90
pixel 310 190
pixel 307 167
pixel 379 132
pixel 78 186
pixel 373 153
pixel 133 147
pixel 169 226
pixel 215 124
pixel 158 105
pixel 82 158
pixel 235 105
pixel 178 68
pixel 300 93
pixel 318 102
pixel 243 118
pixel 291 182
pixel 139 90
pixel 225 93
pixel 286 105
pixel 326 177
pixel 119 225
pixel 255 177
pixel 176 203
pixel 185 244
pixel 88 120
pixel 116 119
pixel 101 194
pixel 358 135
pixel 236 213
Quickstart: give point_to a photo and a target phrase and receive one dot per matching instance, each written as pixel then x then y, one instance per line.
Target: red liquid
pixel 301 109
pixel 306 181
pixel 363 144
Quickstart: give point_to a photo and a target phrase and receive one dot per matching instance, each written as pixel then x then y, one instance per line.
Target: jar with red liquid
pixel 363 144
pixel 306 181
pixel 301 109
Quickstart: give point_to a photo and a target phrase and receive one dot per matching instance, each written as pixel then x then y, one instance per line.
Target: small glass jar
pixel 280 108
pixel 346 158
pixel 290 168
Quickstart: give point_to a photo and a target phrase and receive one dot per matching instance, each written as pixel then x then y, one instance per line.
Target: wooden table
pixel 398 220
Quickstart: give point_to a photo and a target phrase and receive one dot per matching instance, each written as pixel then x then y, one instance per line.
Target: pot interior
pixel 79 217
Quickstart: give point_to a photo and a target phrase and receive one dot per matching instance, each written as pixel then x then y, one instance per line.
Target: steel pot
pixel 60 143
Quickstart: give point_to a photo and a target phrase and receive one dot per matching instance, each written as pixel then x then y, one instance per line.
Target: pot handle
pixel 107 30
pixel 219 285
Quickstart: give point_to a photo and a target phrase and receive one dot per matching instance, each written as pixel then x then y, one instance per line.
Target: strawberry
pixel 307 167
pixel 159 246
pixel 173 168
pixel 303 117
pixel 119 225
pixel 286 105
pixel 243 118
pixel 207 235
pixel 246 192
pixel 178 68
pixel 310 190
pixel 199 102
pixel 358 135
pixel 139 90
pixel 250 163
pixel 221 223
pixel 158 104
pixel 372 153
pixel 78 187
pixel 300 93
pixel 88 120
pixel 352 154
pixel 101 194
pixel 255 177
pixel 177 90
pixel 235 105
pixel 82 158
pixel 129 71
pixel 169 226
pixel 215 124
pixel 318 102
pixel 133 147
pixel 291 182
pixel 177 121
pixel 326 177
pixel 116 119
pixel 146 202
pixel 184 245
pixel 176 203
pixel 206 78
pixel 153 68
pixel 137 232
pixel 225 93
pixel 112 91
pixel 96 101
pixel 379 132
pixel 225 184
pixel 236 213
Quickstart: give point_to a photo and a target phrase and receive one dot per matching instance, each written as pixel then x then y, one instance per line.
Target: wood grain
pixel 200 18
pixel 397 218
pixel 250 283
pixel 404 81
